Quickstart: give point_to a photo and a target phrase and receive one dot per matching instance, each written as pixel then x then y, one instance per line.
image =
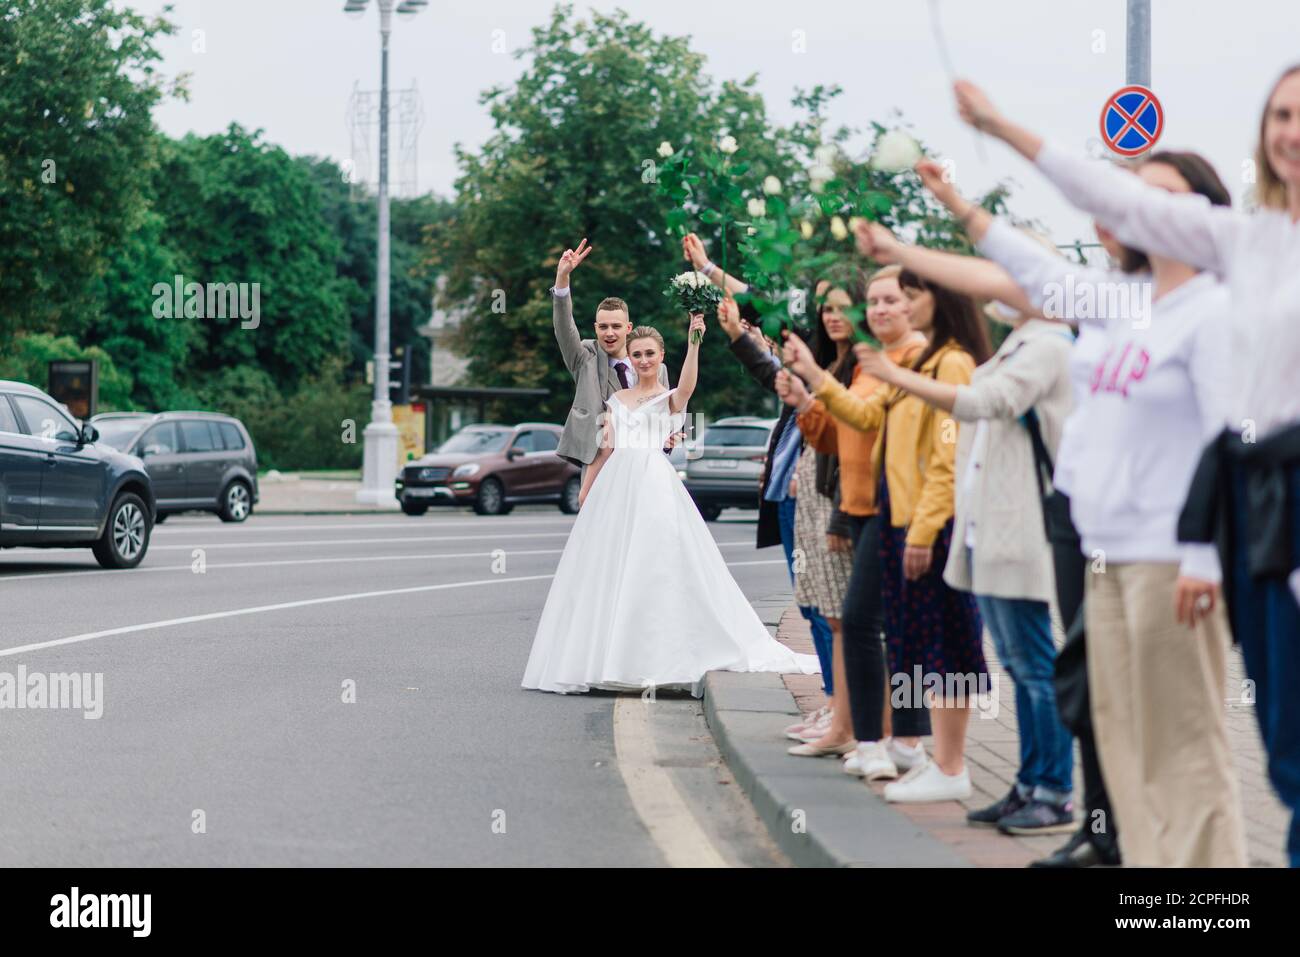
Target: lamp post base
pixel 379 466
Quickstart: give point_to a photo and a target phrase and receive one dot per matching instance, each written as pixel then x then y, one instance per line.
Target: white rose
pixel 838 229
pixel 806 229
pixel 821 172
pixel 756 208
pixel 772 186
pixel 692 279
pixel 750 231
pixel 825 154
pixel 665 149
pixel 896 151
pixel 728 145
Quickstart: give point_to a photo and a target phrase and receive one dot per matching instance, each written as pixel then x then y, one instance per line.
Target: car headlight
pixel 463 471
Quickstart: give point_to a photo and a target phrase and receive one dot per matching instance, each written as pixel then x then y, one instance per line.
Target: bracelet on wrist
pixel 708 268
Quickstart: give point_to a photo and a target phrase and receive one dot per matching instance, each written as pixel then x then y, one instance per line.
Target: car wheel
pixel 491 498
pixel 569 497
pixel 710 512
pixel 126 533
pixel 414 508
pixel 236 502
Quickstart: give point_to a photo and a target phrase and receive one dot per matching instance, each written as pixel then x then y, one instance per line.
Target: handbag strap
pixel 1042 458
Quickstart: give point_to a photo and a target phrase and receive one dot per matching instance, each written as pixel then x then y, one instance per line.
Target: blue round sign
pixel 1132 120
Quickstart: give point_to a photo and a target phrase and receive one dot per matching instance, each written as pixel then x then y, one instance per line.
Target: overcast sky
pixel 289 66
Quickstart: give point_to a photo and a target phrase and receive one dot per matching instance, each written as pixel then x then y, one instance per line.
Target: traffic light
pixel 399 376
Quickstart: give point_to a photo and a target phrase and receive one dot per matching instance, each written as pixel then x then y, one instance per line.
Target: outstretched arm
pixel 566 331
pixel 865 415
pixel 693 250
pixel 965 274
pixel 1182 226
pixel 690 368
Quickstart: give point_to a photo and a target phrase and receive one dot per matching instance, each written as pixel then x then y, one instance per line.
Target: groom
pixel 600 366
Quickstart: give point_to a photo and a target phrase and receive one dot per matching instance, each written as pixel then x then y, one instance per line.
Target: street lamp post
pixel 379 462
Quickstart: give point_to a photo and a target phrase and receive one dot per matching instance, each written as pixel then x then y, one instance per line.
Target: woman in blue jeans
pixel 999 548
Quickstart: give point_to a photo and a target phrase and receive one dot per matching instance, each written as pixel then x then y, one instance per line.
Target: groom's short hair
pixel 611 303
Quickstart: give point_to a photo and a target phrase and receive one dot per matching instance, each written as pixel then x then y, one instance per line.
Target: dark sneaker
pixel 989 816
pixel 1039 817
pixel 1078 851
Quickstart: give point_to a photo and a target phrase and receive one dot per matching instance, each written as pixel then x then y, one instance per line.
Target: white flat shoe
pixel 810 751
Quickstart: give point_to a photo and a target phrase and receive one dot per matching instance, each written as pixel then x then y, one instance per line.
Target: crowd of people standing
pixel 1128 465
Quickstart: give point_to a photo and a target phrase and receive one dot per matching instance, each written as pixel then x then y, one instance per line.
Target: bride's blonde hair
pixel 646 332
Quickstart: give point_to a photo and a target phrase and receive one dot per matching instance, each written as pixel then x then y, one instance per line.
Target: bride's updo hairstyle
pixel 645 332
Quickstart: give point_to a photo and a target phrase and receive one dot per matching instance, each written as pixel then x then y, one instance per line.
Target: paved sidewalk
pixel 291 494
pixel 850 824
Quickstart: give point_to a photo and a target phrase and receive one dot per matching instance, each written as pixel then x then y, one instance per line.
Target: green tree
pixel 77 83
pixel 243 211
pixel 28 356
pixel 571 156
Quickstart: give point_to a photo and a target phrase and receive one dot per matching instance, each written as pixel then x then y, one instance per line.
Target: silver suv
pixel 200 461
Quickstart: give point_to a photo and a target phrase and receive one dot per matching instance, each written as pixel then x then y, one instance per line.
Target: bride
pixel 642 597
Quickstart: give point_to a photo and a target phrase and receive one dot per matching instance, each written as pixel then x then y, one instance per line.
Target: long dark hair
pixel 853 282
pixel 1200 176
pixel 956 319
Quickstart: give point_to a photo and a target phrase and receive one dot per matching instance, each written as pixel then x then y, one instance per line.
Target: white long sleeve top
pixel 1155 394
pixel 1257 255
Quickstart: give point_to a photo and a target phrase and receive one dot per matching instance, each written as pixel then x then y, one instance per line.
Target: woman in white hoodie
pixel 1156 395
pixel 1254 505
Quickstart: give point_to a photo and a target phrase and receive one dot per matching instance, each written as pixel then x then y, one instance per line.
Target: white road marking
pixel 187 528
pixel 654 795
pixel 255 610
pixel 411 556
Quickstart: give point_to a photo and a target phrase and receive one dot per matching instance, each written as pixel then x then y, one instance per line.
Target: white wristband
pixel 708 268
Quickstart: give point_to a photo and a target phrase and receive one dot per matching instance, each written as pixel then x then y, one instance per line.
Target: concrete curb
pixel 818 815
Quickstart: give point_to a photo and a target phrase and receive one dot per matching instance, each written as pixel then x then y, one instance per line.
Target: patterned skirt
pixel 821 576
pixel 927 623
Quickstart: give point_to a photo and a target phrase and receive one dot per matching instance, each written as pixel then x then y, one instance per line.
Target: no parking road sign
pixel 1131 120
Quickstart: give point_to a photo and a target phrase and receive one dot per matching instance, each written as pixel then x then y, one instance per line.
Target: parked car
pixel 198 461
pixel 492 468
pixel 60 487
pixel 725 470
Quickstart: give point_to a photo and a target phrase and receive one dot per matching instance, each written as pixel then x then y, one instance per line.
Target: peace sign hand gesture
pixel 569 261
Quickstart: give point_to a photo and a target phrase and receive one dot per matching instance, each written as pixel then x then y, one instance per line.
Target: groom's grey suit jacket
pixel 595 381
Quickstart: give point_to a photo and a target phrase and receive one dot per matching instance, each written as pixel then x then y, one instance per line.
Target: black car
pixel 61 488
pixel 199 461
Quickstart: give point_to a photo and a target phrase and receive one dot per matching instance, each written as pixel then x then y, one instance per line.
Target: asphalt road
pixel 226 737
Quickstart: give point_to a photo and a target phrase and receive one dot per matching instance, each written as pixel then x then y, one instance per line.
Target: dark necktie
pixel 622 373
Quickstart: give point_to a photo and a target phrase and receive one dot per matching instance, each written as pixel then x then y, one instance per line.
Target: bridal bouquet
pixel 693 292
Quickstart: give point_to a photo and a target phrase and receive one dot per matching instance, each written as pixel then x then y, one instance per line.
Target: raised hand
pixel 693 251
pixel 975 107
pixel 798 357
pixel 934 178
pixel 873 361
pixel 729 318
pixel 876 242
pixel 696 331
pixel 791 389
pixel 571 260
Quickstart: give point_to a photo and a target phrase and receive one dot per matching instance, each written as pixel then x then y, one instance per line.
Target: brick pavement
pixel 993 755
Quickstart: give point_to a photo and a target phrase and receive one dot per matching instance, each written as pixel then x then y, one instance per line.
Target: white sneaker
pixel 928 783
pixel 905 756
pixel 870 760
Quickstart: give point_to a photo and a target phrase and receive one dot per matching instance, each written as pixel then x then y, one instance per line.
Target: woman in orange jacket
pixel 933 633
pixel 888 312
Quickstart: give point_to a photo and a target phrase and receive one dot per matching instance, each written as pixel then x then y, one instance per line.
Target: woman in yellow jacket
pixel 932 632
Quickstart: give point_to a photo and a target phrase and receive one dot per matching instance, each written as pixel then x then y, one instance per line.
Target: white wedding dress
pixel 642 597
